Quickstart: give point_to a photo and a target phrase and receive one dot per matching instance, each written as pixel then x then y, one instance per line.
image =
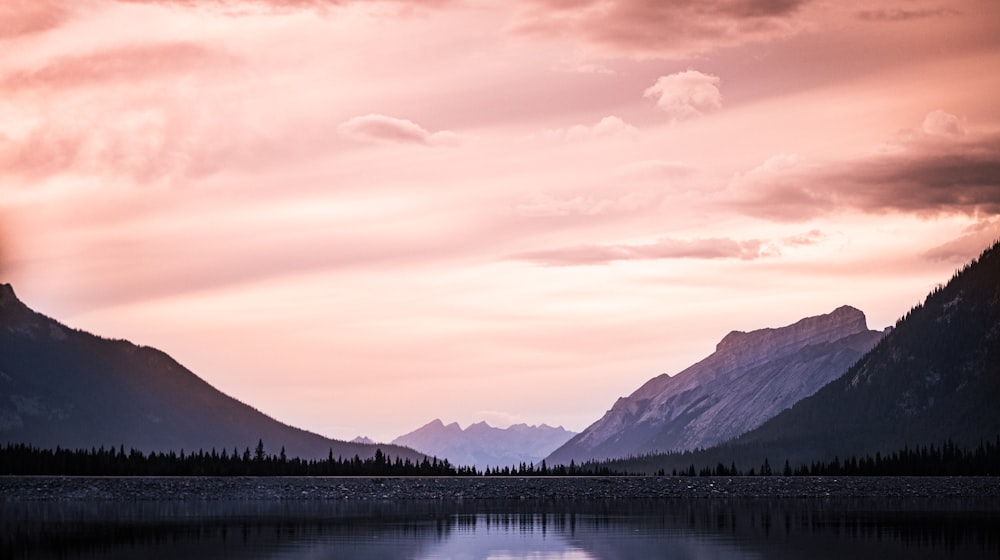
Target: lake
pixel 579 529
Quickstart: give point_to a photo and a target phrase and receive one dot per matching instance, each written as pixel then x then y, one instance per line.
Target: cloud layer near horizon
pixel 925 175
pixel 308 201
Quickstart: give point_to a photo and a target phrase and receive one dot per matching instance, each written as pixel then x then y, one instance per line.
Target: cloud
pixel 391 129
pixel 541 205
pixel 129 64
pixel 666 248
pixel 27 17
pixel 654 28
pixel 940 123
pixel 900 14
pixel 657 169
pixel 811 237
pixel 583 68
pixel 686 94
pixel 926 176
pixel 239 6
pixel 144 145
pixel 610 126
pixel 973 240
pixel 123 112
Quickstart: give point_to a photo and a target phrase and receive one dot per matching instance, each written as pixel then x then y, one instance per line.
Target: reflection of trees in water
pixel 251 529
pixel 796 528
pixel 607 530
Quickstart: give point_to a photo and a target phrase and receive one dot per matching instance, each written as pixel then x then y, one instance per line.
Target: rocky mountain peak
pixel 483 445
pixel 7 295
pixel 748 379
pixel 765 343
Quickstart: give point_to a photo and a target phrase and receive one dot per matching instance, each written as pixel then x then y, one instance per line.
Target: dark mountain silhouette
pixel 748 379
pixel 935 377
pixel 68 388
pixel 482 445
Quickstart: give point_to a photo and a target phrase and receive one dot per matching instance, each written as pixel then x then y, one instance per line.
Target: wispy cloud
pixel 904 14
pixel 542 205
pixel 665 248
pixel 237 6
pixel 391 129
pixel 27 17
pixel 652 28
pixel 128 63
pixel 968 245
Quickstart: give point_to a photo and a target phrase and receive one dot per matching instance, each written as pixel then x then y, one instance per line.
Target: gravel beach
pixel 17 488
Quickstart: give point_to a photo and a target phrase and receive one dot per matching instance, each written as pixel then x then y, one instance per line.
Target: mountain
pixel 483 445
pixel 935 377
pixel 68 388
pixel 749 378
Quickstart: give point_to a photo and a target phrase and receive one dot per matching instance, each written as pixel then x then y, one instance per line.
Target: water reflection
pixel 612 530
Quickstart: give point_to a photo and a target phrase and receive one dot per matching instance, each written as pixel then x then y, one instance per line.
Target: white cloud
pixel 610 126
pixel 391 129
pixel 941 123
pixel 686 94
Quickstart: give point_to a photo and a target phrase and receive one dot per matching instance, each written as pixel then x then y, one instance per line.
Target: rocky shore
pixel 18 489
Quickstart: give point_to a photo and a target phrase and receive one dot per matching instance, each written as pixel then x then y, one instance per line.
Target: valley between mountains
pixel 822 387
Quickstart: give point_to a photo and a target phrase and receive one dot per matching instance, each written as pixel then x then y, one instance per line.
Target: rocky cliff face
pixel 748 379
pixel 64 387
pixel 936 376
pixel 482 445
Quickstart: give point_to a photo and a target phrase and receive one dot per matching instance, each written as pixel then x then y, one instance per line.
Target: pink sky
pixel 358 216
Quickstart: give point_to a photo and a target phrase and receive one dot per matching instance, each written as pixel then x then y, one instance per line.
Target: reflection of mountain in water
pixel 579 530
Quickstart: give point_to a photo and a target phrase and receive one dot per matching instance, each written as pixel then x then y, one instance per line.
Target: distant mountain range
pixel 748 379
pixel 936 376
pixel 482 445
pixel 68 388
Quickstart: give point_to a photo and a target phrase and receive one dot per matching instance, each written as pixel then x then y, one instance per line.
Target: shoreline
pixel 394 489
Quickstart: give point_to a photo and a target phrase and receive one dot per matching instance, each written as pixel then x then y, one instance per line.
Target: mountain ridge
pixel 934 378
pixel 482 445
pixel 749 378
pixel 65 387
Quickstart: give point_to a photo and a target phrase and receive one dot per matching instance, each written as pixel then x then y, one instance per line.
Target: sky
pixel 359 216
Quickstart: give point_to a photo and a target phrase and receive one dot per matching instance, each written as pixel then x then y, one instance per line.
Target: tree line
pixel 947 459
pixel 21 459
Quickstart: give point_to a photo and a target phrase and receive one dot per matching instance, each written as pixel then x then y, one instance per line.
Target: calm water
pixel 682 529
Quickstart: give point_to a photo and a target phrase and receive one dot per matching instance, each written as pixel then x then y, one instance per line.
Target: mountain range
pixel 483 445
pixel 822 387
pixel 934 377
pixel 68 388
pixel 750 377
